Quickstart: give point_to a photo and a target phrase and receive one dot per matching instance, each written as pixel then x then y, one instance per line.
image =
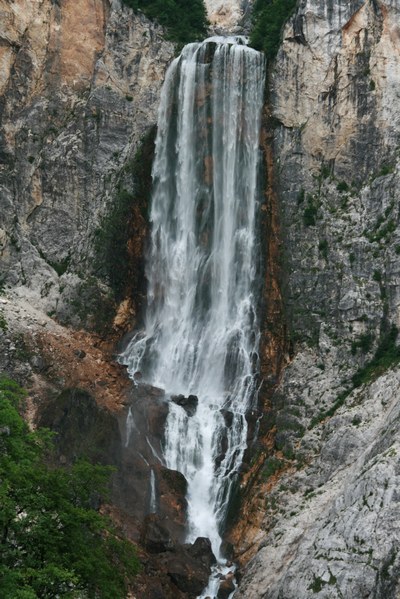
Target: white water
pixel 153 501
pixel 130 427
pixel 201 335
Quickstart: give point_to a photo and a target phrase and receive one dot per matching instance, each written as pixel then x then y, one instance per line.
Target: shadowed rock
pixel 189 404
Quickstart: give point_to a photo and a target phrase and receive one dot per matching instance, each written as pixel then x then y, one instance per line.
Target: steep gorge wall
pixel 80 88
pixel 323 519
pixel 80 85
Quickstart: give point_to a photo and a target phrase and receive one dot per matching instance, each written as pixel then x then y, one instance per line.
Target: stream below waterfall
pixel 201 332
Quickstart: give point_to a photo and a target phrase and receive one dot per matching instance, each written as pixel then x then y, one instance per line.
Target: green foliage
pixel 318 584
pixel 3 323
pixel 184 20
pixel 128 215
pixel 363 343
pixel 386 356
pixel 310 213
pixel 325 172
pixel 271 466
pixel 377 276
pixel 338 403
pixel 269 19
pixel 381 230
pixel 386 169
pixel 301 197
pixel 342 186
pixel 53 543
pixel 323 248
pixel 112 238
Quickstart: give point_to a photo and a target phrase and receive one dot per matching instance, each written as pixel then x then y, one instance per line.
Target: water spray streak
pixel 201 335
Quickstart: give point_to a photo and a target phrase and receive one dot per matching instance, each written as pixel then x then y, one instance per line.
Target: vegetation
pixel 342 186
pixel 112 239
pixel 323 248
pixel 127 216
pixel 184 20
pixel 386 169
pixel 3 323
pixel 318 584
pixel 269 19
pixel 363 343
pixel 53 542
pixel 386 356
pixel 310 213
pixel 271 466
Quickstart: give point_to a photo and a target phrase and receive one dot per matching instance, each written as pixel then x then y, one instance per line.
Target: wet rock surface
pixel 189 404
pixel 91 422
pixel 322 520
pixel 79 88
pixel 226 587
pixel 86 430
pixel 187 566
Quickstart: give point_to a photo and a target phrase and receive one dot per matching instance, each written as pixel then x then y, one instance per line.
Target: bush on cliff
pixel 269 17
pixel 53 543
pixel 184 20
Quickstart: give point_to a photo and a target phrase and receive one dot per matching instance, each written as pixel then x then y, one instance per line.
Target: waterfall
pixel 153 500
pixel 201 332
pixel 129 427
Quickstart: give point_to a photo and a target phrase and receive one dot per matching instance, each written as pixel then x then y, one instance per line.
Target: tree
pixel 269 17
pixel 184 20
pixel 53 542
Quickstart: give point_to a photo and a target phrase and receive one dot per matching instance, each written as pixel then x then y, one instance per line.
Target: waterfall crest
pixel 201 333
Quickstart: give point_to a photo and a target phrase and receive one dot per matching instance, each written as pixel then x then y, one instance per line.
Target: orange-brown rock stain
pixel 77 359
pixel 79 39
pixel 246 532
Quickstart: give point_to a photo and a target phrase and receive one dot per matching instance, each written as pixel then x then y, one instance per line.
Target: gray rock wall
pixel 329 524
pixel 79 88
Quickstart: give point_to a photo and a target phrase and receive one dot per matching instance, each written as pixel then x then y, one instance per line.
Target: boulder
pixel 201 550
pixel 155 538
pixel 189 404
pixel 227 586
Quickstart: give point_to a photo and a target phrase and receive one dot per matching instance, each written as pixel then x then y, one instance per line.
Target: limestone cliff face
pixel 323 521
pixel 79 88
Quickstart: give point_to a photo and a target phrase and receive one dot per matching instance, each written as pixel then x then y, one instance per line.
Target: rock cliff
pixel 323 519
pixel 79 89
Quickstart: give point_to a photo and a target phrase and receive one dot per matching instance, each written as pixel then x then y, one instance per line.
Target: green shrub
pixel 377 276
pixel 269 17
pixel 184 20
pixel 323 248
pixel 310 214
pixel 342 186
pixel 119 226
pixel 386 169
pixel 53 543
pixel 325 172
pixel 3 323
pixel 271 466
pixel 363 343
pixel 381 231
pixel 301 196
pixel 386 356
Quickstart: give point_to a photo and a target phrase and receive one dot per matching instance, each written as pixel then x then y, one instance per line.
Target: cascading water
pixel 201 335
